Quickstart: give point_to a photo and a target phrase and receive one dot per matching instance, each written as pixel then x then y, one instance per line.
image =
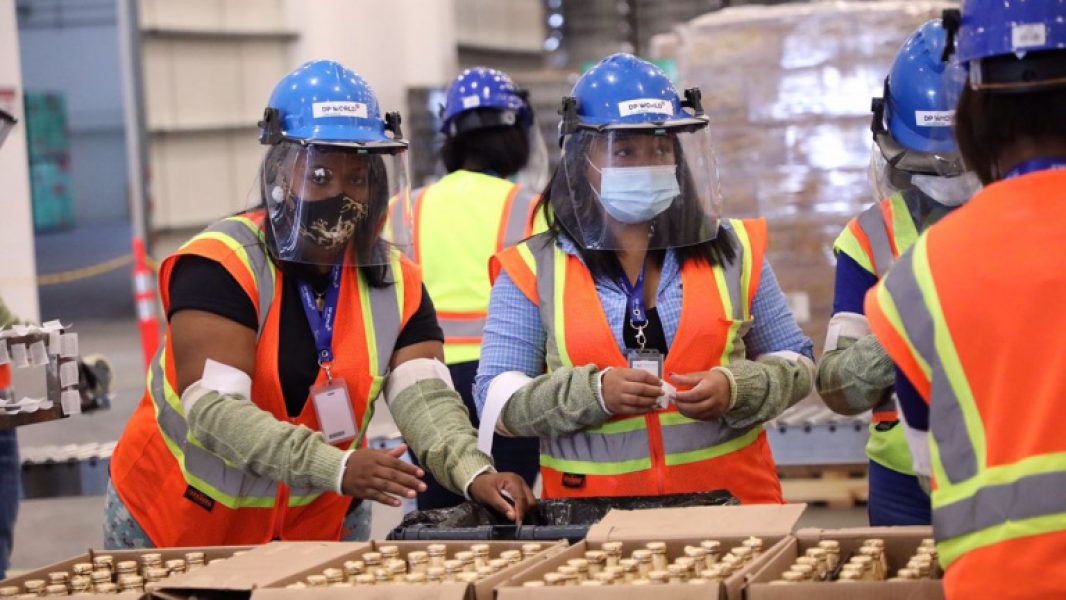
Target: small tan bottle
pixel 333 575
pixel 452 568
pixel 659 577
pixel 467 558
pixel 513 557
pixel 714 550
pixel 807 571
pixel 418 561
pixel 389 553
pixel 481 555
pixel 435 574
pixel 498 564
pixel 317 581
pixel 613 550
pixel 658 556
pixel 56 589
pixel 80 584
pixel 644 562
pixel 58 578
pixel 530 550
pixel 100 576
pixel 570 573
pixel 437 555
pixel 106 588
pixel 372 561
pixel 581 566
pixel 744 553
pixel 816 573
pixel 597 560
pixel 788 578
pixel 554 580
pixel 353 568
pixel 677 573
pixel 755 544
pixel 194 560
pixel 534 584
pixel 176 566
pixel 397 569
pixel 415 578
pixel 687 563
pixel 35 586
pixel 630 569
pixel 699 556
pixel 365 579
pixel 832 552
pixel 155 574
pixel 84 569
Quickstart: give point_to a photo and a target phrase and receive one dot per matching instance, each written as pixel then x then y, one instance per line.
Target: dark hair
pixel 504 150
pixel 682 220
pixel 367 241
pixel 988 122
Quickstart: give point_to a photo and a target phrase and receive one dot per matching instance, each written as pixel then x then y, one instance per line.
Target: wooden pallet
pixel 835 486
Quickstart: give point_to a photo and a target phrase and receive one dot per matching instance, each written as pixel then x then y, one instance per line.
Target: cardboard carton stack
pixel 788 91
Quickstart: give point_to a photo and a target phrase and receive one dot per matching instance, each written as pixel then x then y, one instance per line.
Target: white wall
pixel 393 44
pixel 82 63
pixel 18 287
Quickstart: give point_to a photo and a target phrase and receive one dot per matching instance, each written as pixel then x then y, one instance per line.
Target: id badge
pixel 334 410
pixel 652 362
pixel 647 360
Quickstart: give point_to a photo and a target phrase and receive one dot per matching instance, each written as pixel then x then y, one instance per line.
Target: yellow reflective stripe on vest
pixel 847 244
pixel 740 441
pixel 974 505
pixel 904 230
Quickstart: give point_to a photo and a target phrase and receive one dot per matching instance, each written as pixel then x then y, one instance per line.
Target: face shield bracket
pixel 694 101
pixel 952 20
pixel 270 133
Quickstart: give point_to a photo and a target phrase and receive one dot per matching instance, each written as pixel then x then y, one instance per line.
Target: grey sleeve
pixel 856 376
pixel 765 387
pixel 252 440
pixel 436 425
pixel 559 403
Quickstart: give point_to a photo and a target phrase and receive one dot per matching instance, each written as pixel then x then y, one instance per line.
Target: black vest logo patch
pixel 199 498
pixel 573 480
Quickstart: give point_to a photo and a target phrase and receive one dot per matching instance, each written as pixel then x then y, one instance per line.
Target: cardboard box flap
pixel 679 523
pixel 908 531
pixel 437 591
pixel 261 566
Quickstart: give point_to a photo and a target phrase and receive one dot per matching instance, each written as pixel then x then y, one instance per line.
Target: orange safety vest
pixel 458 223
pixel 5 377
pixel 181 494
pixel 972 316
pixel 662 452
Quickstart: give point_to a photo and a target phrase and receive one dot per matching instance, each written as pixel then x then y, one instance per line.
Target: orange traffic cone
pixel 144 297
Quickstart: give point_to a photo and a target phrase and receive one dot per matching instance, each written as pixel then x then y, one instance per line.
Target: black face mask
pixel 329 223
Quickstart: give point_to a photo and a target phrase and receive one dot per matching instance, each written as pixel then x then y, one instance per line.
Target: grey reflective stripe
pixel 462 328
pixel 198 462
pixel 262 267
pixel 991 505
pixel 956 451
pixel 734 276
pixel 518 217
pixel 385 313
pixel 598 447
pixel 543 250
pixel 698 435
pixel 872 223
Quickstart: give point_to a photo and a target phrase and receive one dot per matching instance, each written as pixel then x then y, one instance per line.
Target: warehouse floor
pixel 100 311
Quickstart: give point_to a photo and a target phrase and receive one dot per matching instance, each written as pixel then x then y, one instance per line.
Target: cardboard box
pixel 210 553
pixel 482 590
pixel 265 572
pixel 677 527
pixel 900 544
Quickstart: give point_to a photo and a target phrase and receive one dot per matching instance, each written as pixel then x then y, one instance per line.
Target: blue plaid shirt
pixel 514 337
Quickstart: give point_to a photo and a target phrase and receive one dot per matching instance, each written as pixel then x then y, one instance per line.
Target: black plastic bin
pixel 552 520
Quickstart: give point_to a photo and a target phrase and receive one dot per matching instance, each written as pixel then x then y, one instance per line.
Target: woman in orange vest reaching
pixel 979 296
pixel 285 324
pixel 638 287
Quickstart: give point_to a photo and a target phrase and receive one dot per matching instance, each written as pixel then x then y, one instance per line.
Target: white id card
pixel 334 410
pixel 647 360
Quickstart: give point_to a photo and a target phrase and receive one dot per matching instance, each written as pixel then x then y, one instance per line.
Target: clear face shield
pixel 536 173
pixel 328 204
pixel 943 178
pixel 619 185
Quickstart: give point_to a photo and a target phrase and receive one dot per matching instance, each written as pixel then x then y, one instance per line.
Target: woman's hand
pixel 708 398
pixel 381 476
pixel 628 392
pixel 490 489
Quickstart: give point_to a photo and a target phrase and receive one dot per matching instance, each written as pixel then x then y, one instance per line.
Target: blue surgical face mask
pixel 637 194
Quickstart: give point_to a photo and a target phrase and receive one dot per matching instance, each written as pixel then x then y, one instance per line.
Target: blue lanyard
pixel 1039 164
pixel 322 321
pixel 635 315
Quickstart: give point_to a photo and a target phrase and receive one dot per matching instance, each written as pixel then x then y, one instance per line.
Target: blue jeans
pixel 896 499
pixel 10 489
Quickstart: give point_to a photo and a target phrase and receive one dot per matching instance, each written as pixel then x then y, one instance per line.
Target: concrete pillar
pixel 18 268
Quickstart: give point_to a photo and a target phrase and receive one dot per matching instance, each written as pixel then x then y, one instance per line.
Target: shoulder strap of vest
pixel 517 222
pixel 237 243
pixel 742 274
pixel 520 264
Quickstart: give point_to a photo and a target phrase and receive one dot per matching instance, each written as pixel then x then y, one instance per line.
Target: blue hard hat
pixel 1000 27
pixel 919 93
pixel 323 102
pixel 483 97
pixel 623 91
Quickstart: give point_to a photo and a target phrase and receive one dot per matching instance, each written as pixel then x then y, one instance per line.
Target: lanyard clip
pixel 327 367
